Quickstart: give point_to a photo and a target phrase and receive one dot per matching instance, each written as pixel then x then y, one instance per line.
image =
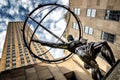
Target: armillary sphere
pixel 52 23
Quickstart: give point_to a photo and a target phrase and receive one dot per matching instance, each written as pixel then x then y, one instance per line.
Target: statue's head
pixel 70 38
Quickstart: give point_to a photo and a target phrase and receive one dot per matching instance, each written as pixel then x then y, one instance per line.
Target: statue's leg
pixel 107 53
pixel 96 74
pixel 90 63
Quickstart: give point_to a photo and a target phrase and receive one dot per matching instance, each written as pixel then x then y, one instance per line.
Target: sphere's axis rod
pixel 46 29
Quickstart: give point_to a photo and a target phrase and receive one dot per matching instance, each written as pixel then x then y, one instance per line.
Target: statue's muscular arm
pixel 53 45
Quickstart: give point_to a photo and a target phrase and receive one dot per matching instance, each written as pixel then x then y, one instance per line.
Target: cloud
pixel 2 39
pixel 3 3
pixel 3 23
pixel 57 53
pixel 63 2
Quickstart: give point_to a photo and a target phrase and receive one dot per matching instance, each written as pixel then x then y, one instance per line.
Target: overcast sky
pixel 15 10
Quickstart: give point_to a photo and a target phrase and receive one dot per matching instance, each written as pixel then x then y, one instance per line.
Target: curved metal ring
pixel 40 6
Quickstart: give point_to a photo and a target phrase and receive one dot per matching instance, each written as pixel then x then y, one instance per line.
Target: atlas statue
pixel 87 51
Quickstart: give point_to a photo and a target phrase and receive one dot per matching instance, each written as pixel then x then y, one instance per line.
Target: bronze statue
pixel 87 52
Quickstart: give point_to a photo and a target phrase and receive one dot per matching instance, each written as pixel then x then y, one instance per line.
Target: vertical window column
pixel 13 56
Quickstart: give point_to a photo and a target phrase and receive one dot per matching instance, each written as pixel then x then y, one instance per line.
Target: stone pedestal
pixel 114 72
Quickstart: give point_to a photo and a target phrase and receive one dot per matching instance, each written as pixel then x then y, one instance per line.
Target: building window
pixel 14 58
pixel 75 25
pixel 91 12
pixel 25 49
pixel 8 49
pixel 20 51
pixel 112 15
pixel 26 53
pixel 9 45
pixel 39 45
pixel 7 61
pixel 77 11
pixel 108 36
pixel 7 58
pixel 7 66
pixel 88 30
pixel 14 61
pixel 8 54
pixel 22 62
pixel 20 48
pixel 46 57
pixel 42 51
pixel 39 54
pixel 88 12
pixel 38 51
pixel 28 61
pixel 13 55
pixel 40 48
pixel 27 57
pixel 34 60
pixel 35 47
pixel 14 65
pixel 21 57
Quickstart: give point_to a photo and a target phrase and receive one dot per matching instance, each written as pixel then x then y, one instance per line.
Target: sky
pixel 16 10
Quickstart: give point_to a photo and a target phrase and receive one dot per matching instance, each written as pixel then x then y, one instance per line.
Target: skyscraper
pixel 15 53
